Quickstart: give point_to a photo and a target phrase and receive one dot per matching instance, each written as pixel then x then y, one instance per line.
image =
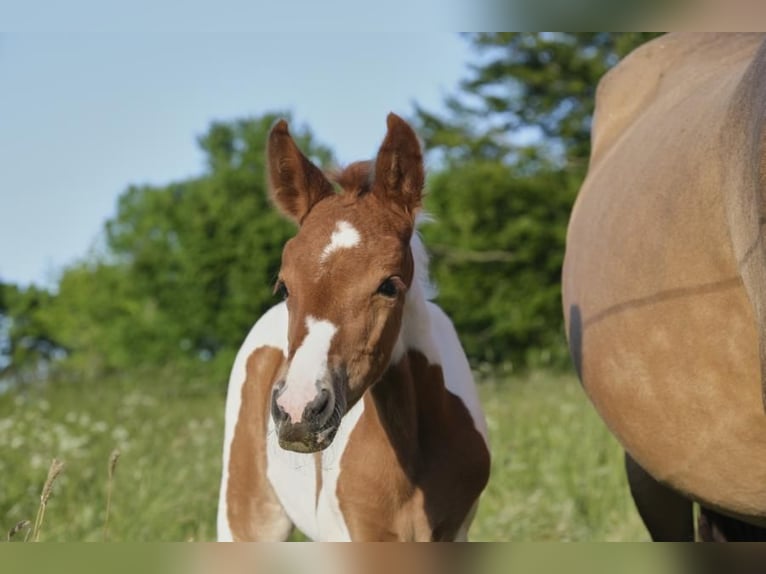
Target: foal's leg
pixel 271 523
pixel 667 515
pixel 252 512
pixel 250 509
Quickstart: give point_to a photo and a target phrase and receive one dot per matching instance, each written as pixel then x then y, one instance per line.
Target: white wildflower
pixel 99 427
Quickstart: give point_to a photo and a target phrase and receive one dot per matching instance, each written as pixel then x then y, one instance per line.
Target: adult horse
pixel 351 411
pixel 664 280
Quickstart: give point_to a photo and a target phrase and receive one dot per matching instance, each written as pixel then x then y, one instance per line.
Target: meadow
pixel 557 473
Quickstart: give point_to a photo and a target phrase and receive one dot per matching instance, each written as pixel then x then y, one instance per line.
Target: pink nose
pixel 313 411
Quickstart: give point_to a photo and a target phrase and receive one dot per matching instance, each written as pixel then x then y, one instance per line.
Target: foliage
pixel 187 267
pixel 497 264
pixel 540 86
pixel 107 323
pixel 204 253
pixel 27 343
pixel 513 147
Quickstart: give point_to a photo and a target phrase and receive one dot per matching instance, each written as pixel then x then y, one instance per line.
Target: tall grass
pixel 55 470
pixel 167 484
pixel 556 473
pixel 111 468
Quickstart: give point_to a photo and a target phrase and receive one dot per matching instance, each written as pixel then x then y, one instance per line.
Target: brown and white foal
pixel 351 410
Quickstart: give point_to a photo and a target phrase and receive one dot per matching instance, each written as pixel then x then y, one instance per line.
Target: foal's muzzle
pixel 318 424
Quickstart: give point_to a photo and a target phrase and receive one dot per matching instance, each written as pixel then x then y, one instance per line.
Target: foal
pixel 351 411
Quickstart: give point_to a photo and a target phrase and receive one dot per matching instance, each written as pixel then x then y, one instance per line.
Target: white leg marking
pixel 344 236
pixel 308 366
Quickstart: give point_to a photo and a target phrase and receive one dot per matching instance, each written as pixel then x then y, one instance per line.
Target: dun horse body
pixel 351 411
pixel 664 280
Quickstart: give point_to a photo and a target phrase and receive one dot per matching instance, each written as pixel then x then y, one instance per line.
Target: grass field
pixel 556 474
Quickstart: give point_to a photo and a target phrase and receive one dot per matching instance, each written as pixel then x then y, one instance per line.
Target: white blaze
pixel 308 366
pixel 344 236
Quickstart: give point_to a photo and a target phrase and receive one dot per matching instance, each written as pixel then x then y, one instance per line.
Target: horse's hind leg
pixel 462 533
pixel 716 527
pixel 668 516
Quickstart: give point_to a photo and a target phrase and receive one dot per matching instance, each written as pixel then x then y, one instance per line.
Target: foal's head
pixel 344 277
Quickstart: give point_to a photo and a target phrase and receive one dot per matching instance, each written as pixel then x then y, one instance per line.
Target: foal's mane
pixel 356 179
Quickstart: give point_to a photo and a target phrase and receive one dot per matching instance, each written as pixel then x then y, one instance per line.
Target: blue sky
pixel 83 115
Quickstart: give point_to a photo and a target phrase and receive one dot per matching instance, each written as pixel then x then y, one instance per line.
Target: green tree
pixel 5 325
pixel 513 148
pixel 108 324
pixel 497 250
pixel 201 255
pixel 27 344
pixel 528 96
pixel 185 270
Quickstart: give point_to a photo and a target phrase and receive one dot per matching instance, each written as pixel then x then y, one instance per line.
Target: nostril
pixel 320 408
pixel 277 412
pixel 279 388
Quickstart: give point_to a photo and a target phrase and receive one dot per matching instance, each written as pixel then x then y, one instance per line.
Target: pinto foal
pixel 351 411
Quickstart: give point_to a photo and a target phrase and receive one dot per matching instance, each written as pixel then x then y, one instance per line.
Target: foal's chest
pixel 373 502
pixel 307 484
pixel 357 488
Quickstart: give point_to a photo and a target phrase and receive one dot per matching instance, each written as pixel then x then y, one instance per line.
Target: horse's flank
pixel 663 303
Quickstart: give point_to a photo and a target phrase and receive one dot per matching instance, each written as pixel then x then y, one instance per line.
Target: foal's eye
pixel 389 288
pixel 281 289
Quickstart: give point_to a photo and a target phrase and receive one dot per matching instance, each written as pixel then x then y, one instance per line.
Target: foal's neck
pixel 397 395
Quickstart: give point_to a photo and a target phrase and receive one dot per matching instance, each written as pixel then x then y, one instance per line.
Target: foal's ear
pixel 295 184
pixel 399 175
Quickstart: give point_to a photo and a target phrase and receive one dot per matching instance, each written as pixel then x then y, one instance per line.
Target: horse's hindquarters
pixel 678 383
pixel 660 327
pixel 668 353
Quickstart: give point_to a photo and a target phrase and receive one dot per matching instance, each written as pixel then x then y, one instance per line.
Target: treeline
pixel 186 268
